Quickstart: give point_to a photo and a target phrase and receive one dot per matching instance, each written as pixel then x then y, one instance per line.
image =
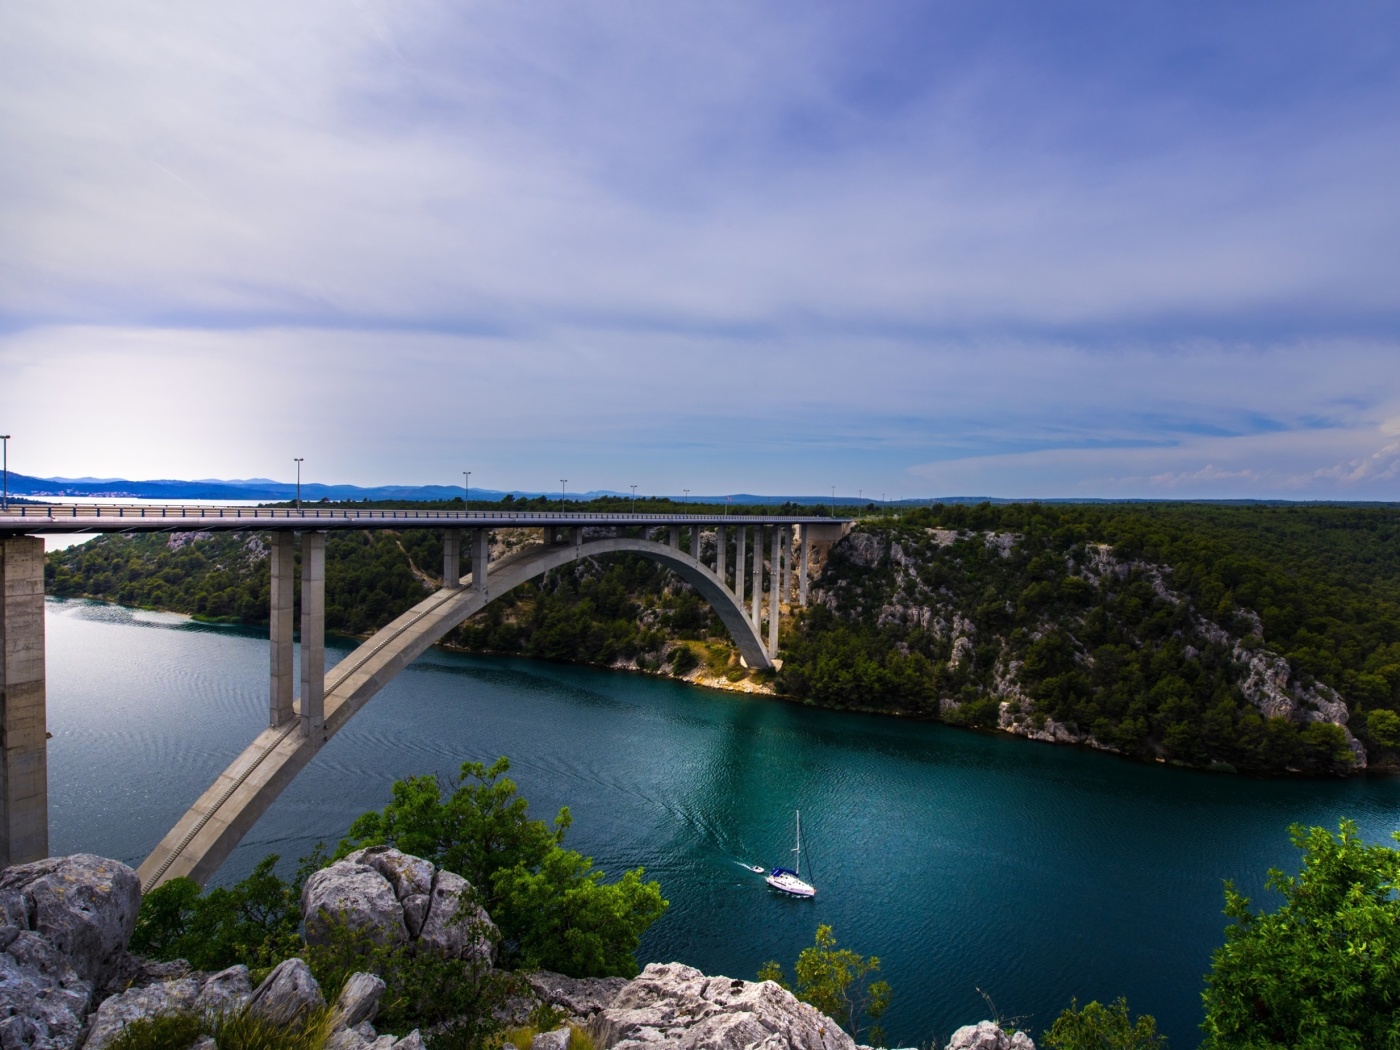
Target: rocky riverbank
pixel 68 980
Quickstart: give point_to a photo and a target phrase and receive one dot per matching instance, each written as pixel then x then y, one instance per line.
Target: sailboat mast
pixel 798 850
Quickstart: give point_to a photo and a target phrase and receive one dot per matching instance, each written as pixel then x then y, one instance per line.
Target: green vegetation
pixel 837 982
pixel 1099 1027
pixel 551 905
pixel 1116 621
pixel 236 1030
pixel 1323 971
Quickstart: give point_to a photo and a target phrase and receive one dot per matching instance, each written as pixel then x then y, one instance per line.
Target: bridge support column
pixel 452 559
pixel 775 575
pixel 24 749
pixel 481 560
pixel 757 614
pixel 695 544
pixel 281 625
pixel 721 542
pixel 551 535
pixel 577 533
pixel 802 568
pixel 785 591
pixel 313 634
pixel 739 564
pixel 674 541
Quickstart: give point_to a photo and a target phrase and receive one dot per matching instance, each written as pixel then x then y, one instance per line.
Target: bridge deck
pixel 34 520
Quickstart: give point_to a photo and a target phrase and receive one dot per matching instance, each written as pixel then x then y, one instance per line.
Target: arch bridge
pixel 741 585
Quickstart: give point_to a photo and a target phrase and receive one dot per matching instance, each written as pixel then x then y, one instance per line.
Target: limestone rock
pixel 986 1035
pixel 555 1040
pixel 359 1000
pixel 673 1003
pixel 288 992
pixel 579 997
pixel 224 991
pixel 415 910
pixel 469 935
pixel 85 906
pixel 354 895
pixel 407 874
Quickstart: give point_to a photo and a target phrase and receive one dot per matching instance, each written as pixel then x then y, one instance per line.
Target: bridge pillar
pixel 675 538
pixel 802 568
pixel 739 565
pixel 313 633
pixel 24 750
pixel 281 624
pixel 775 576
pixel 721 541
pixel 757 598
pixel 786 589
pixel 577 535
pixel 551 535
pixel 695 544
pixel 452 559
pixel 481 558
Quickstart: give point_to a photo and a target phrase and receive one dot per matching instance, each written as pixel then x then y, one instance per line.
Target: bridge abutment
pixel 24 751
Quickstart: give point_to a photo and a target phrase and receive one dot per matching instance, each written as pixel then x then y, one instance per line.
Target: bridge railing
pixel 56 511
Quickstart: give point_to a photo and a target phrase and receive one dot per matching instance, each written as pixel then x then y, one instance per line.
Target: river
pixel 964 861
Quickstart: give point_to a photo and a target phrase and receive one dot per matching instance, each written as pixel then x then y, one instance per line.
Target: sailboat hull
pixel 789 883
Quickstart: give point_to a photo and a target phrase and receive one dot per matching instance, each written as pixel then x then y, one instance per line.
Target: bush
pixel 1099 1027
pixel 837 982
pixel 1319 973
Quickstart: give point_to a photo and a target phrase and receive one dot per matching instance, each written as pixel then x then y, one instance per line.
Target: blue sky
pixel 1006 248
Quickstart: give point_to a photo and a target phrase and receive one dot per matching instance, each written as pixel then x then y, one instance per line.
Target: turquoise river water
pixel 965 861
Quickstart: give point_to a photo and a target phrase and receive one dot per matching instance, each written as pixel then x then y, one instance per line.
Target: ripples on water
pixel 964 861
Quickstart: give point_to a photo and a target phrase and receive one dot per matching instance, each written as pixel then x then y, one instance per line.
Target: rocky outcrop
pixel 1269 687
pixel 581 998
pixel 987 1035
pixel 394 898
pixel 671 1003
pixel 66 924
pixel 197 993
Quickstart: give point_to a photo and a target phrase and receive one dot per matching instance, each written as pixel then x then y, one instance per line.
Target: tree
pixel 1323 971
pixel 1099 1027
pixel 551 905
pixel 837 982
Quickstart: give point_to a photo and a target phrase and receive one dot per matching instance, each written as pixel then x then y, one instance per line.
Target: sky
pixel 902 249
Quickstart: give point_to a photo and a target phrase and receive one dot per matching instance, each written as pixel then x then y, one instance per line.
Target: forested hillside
pixel 1262 638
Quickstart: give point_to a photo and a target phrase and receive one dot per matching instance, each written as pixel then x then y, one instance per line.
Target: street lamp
pixel 467 485
pixel 5 444
pixel 687 494
pixel 562 489
pixel 299 459
pixel 634 499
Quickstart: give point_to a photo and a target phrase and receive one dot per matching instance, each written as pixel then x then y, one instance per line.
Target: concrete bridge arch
pixel 210 830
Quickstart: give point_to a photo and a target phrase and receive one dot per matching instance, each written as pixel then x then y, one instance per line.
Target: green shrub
pixel 1099 1027
pixel 837 982
pixel 1320 973
pixel 165 1032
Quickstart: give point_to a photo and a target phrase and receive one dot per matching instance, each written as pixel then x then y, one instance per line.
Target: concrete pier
pixel 739 564
pixel 695 544
pixel 757 599
pixel 674 541
pixel 802 566
pixel 452 558
pixel 721 542
pixel 313 634
pixel 281 628
pixel 24 752
pixel 785 591
pixel 775 575
pixel 481 560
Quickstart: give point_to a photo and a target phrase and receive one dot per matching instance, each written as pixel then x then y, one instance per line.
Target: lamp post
pixel 299 459
pixel 687 495
pixel 5 455
pixel 562 490
pixel 467 487
pixel 634 499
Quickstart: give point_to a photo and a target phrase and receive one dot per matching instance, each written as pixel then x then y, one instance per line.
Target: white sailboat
pixel 789 880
